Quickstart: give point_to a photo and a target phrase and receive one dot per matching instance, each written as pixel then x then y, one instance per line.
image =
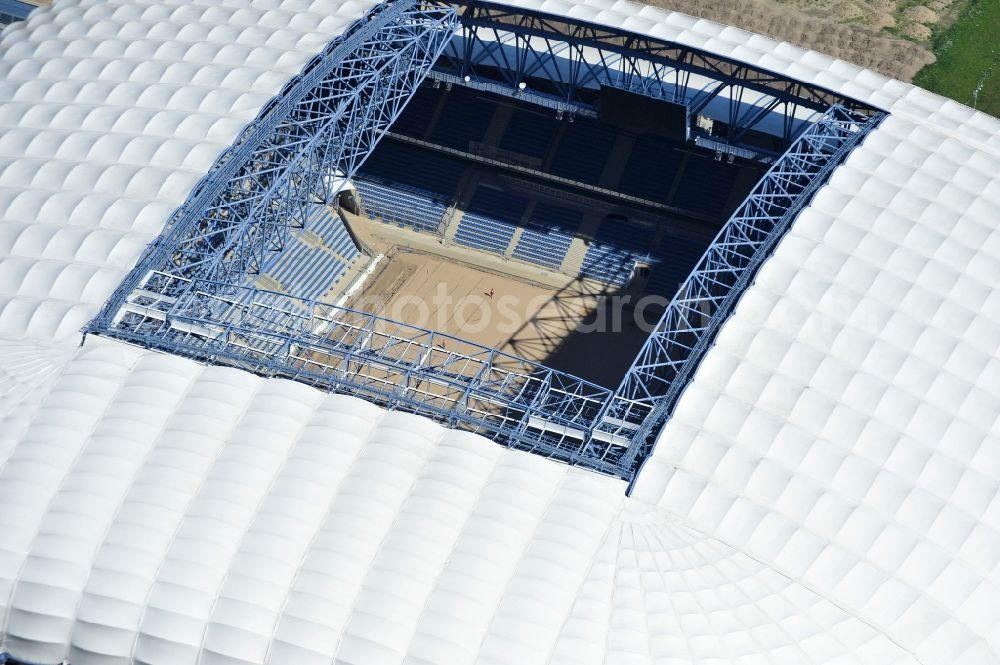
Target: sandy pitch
pixel 555 327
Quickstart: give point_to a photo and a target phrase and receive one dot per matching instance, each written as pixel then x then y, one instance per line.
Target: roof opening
pixel 504 151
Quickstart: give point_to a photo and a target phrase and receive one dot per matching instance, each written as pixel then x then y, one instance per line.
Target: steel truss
pixel 7 659
pixel 396 364
pixel 650 390
pixel 562 62
pixel 191 292
pixel 316 132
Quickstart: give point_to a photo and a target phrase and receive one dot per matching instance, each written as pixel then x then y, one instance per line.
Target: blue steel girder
pixel 569 59
pixel 336 127
pixel 322 124
pixel 646 397
pixel 190 294
pixel 397 364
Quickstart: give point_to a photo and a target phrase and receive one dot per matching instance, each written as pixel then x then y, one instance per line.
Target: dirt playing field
pixel 568 329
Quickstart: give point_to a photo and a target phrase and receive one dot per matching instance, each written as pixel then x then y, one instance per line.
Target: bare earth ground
pixel 559 327
pixel 897 38
pixel 892 37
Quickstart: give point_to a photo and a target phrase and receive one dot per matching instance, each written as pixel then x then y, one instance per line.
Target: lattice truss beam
pixel 314 134
pixel 567 60
pixel 398 365
pixel 191 292
pixel 669 357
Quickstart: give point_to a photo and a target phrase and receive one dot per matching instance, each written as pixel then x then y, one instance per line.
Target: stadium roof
pixel 827 490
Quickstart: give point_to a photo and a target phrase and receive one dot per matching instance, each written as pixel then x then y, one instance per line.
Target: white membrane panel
pixel 827 491
pixel 845 428
pixel 110 112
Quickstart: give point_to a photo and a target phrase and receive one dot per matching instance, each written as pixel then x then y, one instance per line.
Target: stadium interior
pixel 617 212
pixel 591 164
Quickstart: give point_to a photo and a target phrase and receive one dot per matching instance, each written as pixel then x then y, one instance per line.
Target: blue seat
pixel 548 235
pixel 418 112
pixel 650 169
pixel 490 220
pixel 529 133
pixel 705 186
pixel 408 186
pixel 672 263
pixel 308 272
pixel 409 207
pixel 583 151
pixel 615 249
pixel 408 165
pixel 464 118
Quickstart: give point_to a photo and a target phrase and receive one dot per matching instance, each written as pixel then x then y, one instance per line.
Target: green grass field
pixel 968 57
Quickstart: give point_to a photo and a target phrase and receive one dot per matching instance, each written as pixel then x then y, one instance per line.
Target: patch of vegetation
pixel 898 33
pixel 968 59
